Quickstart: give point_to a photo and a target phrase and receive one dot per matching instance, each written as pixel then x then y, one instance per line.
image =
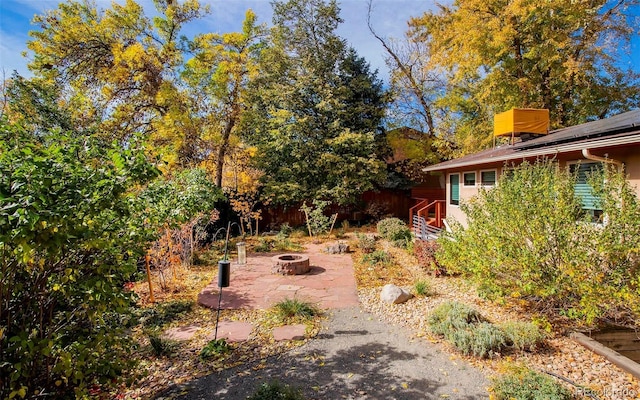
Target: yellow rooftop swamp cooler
pixel 525 123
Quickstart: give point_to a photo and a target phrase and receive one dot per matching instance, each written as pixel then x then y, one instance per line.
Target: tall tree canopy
pixel 554 54
pixel 118 64
pixel 316 110
pixel 218 76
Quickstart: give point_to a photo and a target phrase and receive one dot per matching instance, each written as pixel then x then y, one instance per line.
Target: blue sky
pixel 389 19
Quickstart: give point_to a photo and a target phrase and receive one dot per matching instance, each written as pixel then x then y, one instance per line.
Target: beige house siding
pixel 631 159
pixel 630 156
pixel 466 192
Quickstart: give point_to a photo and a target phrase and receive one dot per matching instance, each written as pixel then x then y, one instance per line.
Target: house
pixel 614 140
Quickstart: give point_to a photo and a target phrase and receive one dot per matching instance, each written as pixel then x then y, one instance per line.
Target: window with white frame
pixel 469 178
pixel 488 177
pixel 454 189
pixel 590 201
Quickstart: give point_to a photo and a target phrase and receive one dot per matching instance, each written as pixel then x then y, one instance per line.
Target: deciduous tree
pixel 118 64
pixel 554 54
pixel 218 76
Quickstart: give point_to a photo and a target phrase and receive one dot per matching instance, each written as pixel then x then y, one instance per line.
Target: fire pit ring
pixel 290 264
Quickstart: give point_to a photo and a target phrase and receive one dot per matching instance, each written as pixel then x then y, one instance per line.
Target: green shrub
pixel 377 257
pixel 214 347
pixel 162 347
pixel 275 390
pixel 317 221
pixel 285 230
pixel 525 384
pixel 366 243
pixel 452 316
pixel 422 288
pixel 523 336
pixel 404 243
pixel 286 245
pixel 394 230
pixel 70 238
pixel 529 235
pixel 289 310
pixel 480 340
pixel 264 245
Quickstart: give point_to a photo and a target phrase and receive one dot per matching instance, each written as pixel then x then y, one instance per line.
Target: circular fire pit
pixel 290 264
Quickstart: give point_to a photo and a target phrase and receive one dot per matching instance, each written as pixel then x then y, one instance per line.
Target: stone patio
pixel 329 285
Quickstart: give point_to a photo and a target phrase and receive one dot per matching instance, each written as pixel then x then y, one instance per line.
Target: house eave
pixel 627 139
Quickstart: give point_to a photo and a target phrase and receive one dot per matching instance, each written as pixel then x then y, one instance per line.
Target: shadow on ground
pixel 356 358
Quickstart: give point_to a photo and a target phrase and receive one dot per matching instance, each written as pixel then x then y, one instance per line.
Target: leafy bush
pixel 366 243
pixel 317 222
pixel 524 384
pixel 264 245
pixel 529 235
pixel 452 316
pixel 523 336
pixel 289 310
pixel 275 390
pixel 214 347
pixel 377 209
pixel 162 347
pixel 179 204
pixel 422 288
pixel 70 237
pixel 377 257
pixel 285 230
pixel 425 251
pixel 394 230
pixel 286 245
pixel 480 340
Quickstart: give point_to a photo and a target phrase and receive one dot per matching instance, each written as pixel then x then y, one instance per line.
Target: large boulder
pixel 394 294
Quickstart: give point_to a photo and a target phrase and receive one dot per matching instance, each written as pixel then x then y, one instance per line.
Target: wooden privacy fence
pixel 394 203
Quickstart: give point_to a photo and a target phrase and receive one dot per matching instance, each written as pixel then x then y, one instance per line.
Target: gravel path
pixel 355 356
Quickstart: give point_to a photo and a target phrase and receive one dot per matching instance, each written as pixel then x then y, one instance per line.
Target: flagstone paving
pixel 233 331
pixel 330 284
pixel 182 332
pixel 289 332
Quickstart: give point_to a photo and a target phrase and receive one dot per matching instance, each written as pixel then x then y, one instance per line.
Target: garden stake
pixel 335 217
pixel 215 336
pixel 306 216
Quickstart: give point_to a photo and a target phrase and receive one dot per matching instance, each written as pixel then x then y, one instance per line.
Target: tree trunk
pixel 228 128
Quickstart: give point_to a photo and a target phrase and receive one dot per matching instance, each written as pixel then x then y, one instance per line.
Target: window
pixel 582 188
pixel 469 178
pixel 488 178
pixel 454 189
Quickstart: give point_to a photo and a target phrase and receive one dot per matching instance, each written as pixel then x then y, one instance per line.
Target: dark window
pixel 488 178
pixel 454 187
pixel 582 188
pixel 469 178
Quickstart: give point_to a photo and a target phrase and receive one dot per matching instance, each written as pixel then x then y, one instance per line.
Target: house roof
pixel 617 130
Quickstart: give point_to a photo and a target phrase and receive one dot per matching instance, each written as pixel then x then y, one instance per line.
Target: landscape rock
pixel 394 294
pixel 339 248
